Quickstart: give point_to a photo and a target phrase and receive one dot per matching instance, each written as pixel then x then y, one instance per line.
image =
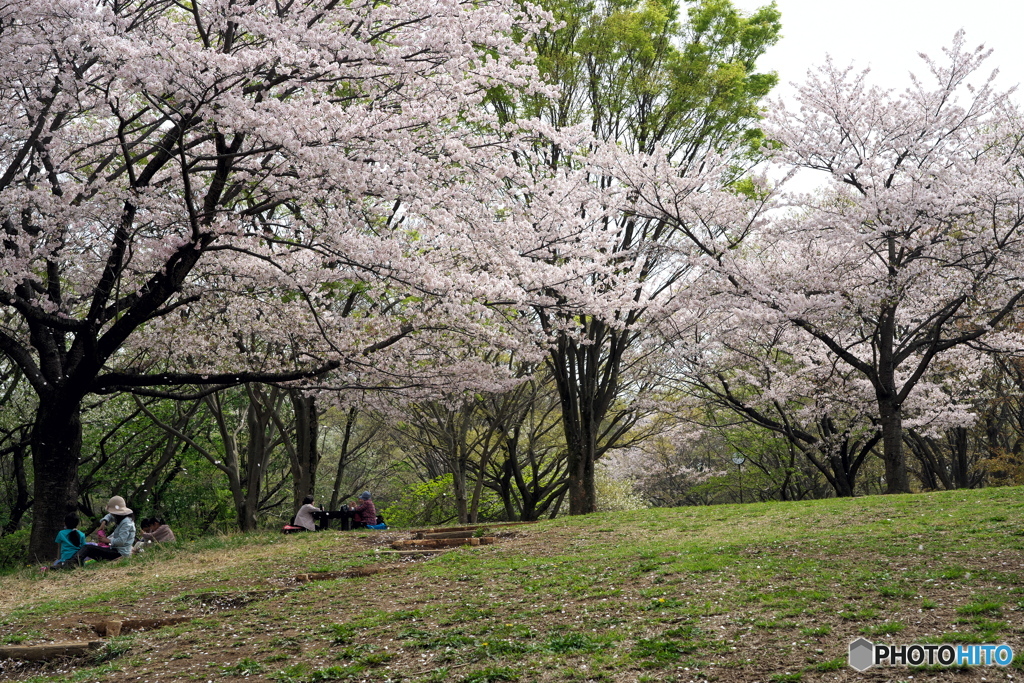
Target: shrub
pixel 14 550
pixel 432 503
pixel 615 495
pixel 423 504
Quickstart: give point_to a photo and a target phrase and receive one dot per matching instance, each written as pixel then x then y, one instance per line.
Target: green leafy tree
pixel 640 75
pixel 424 503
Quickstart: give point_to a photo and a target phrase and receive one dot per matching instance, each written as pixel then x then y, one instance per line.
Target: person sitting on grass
pixel 154 530
pixel 365 512
pixel 122 538
pixel 69 541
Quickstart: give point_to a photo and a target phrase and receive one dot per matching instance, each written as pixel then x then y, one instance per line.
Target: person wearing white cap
pixel 121 538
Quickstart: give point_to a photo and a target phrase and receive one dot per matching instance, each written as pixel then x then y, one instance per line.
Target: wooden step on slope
pixel 115 627
pixel 435 543
pixel 422 552
pixel 469 533
pixel 354 573
pixel 467 527
pixel 50 650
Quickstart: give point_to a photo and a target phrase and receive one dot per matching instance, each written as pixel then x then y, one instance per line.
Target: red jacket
pixel 366 513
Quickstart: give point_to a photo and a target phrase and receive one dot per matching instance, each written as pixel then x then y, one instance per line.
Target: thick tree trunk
pixel 891 418
pixel 582 488
pixel 842 483
pixel 306 456
pixel 257 457
pixel 504 484
pixel 587 383
pixel 960 463
pixel 238 498
pixel 56 449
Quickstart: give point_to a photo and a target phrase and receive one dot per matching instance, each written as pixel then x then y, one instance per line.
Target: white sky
pixel 887 35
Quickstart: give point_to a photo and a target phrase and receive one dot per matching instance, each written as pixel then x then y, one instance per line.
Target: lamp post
pixel 738 460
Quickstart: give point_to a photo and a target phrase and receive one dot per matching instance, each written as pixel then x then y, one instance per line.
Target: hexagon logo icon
pixel 862 654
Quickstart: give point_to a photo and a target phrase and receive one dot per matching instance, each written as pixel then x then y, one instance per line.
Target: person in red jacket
pixel 365 512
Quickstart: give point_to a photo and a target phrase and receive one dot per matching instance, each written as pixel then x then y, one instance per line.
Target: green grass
pixel 888 628
pixel 768 592
pixel 986 607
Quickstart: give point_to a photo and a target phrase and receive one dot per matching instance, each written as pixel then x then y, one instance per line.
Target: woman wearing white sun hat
pixel 122 518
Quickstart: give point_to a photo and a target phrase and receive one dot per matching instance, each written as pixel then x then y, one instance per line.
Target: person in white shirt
pixel 304 517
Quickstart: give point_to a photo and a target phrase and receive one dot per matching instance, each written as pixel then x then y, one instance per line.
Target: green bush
pixel 14 550
pixel 423 504
pixel 432 503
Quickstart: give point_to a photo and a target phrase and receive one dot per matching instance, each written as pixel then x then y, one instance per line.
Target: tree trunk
pixel 503 486
pixel 461 499
pixel 343 456
pixel 306 456
pixel 933 475
pixel 22 500
pixel 260 427
pixel 582 488
pixel 587 383
pixel 960 463
pixel 891 418
pixel 56 448
pixel 841 482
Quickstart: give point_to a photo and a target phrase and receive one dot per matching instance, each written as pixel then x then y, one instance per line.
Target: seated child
pixel 154 530
pixel 69 541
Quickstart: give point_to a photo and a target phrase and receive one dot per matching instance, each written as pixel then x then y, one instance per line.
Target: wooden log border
pixel 50 650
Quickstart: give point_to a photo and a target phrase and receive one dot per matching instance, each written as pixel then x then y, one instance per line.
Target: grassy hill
pixel 763 592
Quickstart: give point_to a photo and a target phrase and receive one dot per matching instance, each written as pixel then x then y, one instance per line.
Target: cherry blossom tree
pixel 773 378
pixel 911 255
pixel 657 89
pixel 665 468
pixel 196 193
